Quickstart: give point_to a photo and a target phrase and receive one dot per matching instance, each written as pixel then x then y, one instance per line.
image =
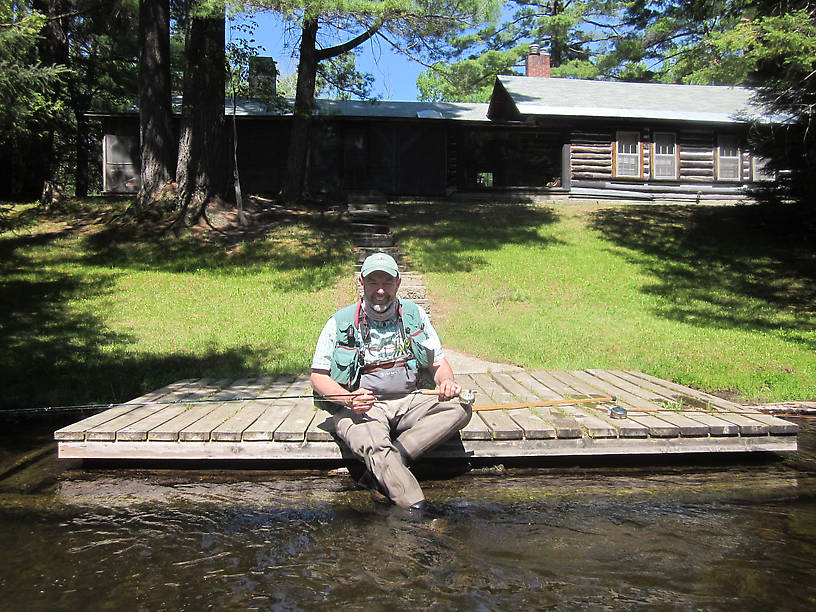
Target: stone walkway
pixel 371 234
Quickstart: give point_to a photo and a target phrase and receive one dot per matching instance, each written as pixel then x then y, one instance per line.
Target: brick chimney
pixel 263 75
pixel 538 64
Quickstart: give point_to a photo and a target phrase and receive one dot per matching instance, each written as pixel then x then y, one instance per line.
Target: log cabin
pixel 538 135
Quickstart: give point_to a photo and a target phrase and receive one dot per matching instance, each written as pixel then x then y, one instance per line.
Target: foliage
pixel 413 27
pixel 576 34
pixel 25 82
pixel 632 40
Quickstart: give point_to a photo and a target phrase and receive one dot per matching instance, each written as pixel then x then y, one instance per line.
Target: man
pixel 367 362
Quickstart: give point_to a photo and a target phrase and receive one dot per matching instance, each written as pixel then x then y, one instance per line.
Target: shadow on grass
pixel 53 354
pixel 301 245
pixel 745 267
pixel 450 233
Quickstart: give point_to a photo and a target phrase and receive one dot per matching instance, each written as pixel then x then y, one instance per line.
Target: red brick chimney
pixel 538 65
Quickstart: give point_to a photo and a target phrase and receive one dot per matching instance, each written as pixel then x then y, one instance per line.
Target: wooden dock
pixel 262 419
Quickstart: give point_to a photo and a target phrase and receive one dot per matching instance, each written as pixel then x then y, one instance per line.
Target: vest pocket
pixel 345 365
pixel 424 356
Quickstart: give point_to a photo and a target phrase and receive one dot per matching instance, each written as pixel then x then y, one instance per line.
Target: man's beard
pixel 381 312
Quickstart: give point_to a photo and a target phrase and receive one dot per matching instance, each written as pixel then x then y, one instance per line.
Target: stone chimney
pixel 263 76
pixel 538 64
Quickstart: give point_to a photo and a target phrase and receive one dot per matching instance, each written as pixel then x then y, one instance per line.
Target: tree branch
pixel 330 52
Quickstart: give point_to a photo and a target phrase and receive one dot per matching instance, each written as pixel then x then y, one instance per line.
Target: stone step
pixel 372 240
pixel 425 305
pixel 364 227
pixel 366 197
pixel 359 210
pixel 364 251
pixel 411 292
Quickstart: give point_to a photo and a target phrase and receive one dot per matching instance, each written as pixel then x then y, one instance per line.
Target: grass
pixel 721 298
pixel 94 311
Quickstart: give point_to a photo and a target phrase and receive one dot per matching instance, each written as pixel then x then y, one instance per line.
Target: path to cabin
pixel 258 419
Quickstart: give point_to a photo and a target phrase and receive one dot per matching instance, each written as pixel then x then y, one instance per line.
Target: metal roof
pixel 347 108
pixel 375 108
pixel 582 98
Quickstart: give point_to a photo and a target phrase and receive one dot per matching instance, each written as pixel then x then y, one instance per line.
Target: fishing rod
pixel 467 399
pixel 206 400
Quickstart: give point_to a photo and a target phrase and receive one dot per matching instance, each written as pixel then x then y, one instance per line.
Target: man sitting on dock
pixel 367 362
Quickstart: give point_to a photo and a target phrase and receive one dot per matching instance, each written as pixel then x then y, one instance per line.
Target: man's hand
pixel 360 400
pixel 448 389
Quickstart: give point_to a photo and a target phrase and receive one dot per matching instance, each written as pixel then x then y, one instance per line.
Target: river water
pixel 678 536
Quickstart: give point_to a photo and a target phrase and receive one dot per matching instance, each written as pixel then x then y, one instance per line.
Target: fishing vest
pixel 347 360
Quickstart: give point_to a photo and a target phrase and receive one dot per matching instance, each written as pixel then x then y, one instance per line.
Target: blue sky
pixel 395 75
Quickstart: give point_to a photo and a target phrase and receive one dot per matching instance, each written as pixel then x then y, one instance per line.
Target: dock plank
pixel 476 428
pixel 191 412
pixel 264 427
pixel 533 426
pixel 176 401
pixel 592 424
pixel 540 390
pixel 716 426
pixel 77 431
pixel 321 429
pixel 297 420
pixel 502 427
pixel 201 430
pixel 248 411
pixel 726 410
pixel 626 427
pixel 638 409
pixel 110 429
pixel 688 425
pixel 294 426
pixel 248 419
pixel 564 426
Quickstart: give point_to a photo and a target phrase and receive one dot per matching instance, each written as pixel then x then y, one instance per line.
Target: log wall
pixel 592 159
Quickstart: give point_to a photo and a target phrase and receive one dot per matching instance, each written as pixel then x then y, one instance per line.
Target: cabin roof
pixel 348 108
pixel 526 96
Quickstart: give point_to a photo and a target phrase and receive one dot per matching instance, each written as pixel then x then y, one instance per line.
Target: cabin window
pixel 484 179
pixel 728 158
pixel 665 156
pixel 627 160
pixel 761 170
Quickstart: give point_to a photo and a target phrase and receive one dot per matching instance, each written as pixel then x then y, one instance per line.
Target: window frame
pixel 758 172
pixel 729 138
pixel 638 156
pixel 674 155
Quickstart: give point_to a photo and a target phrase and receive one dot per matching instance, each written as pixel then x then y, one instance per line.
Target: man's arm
pixel 443 377
pixel 360 400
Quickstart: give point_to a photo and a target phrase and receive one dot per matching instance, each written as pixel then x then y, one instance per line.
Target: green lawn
pixel 91 313
pixel 720 298
pixel 716 297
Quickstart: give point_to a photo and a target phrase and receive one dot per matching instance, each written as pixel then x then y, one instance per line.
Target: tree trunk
pixel 53 49
pixel 204 168
pixel 156 136
pixel 81 138
pixel 298 155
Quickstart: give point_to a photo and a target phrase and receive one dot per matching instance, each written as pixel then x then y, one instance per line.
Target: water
pixel 740 535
